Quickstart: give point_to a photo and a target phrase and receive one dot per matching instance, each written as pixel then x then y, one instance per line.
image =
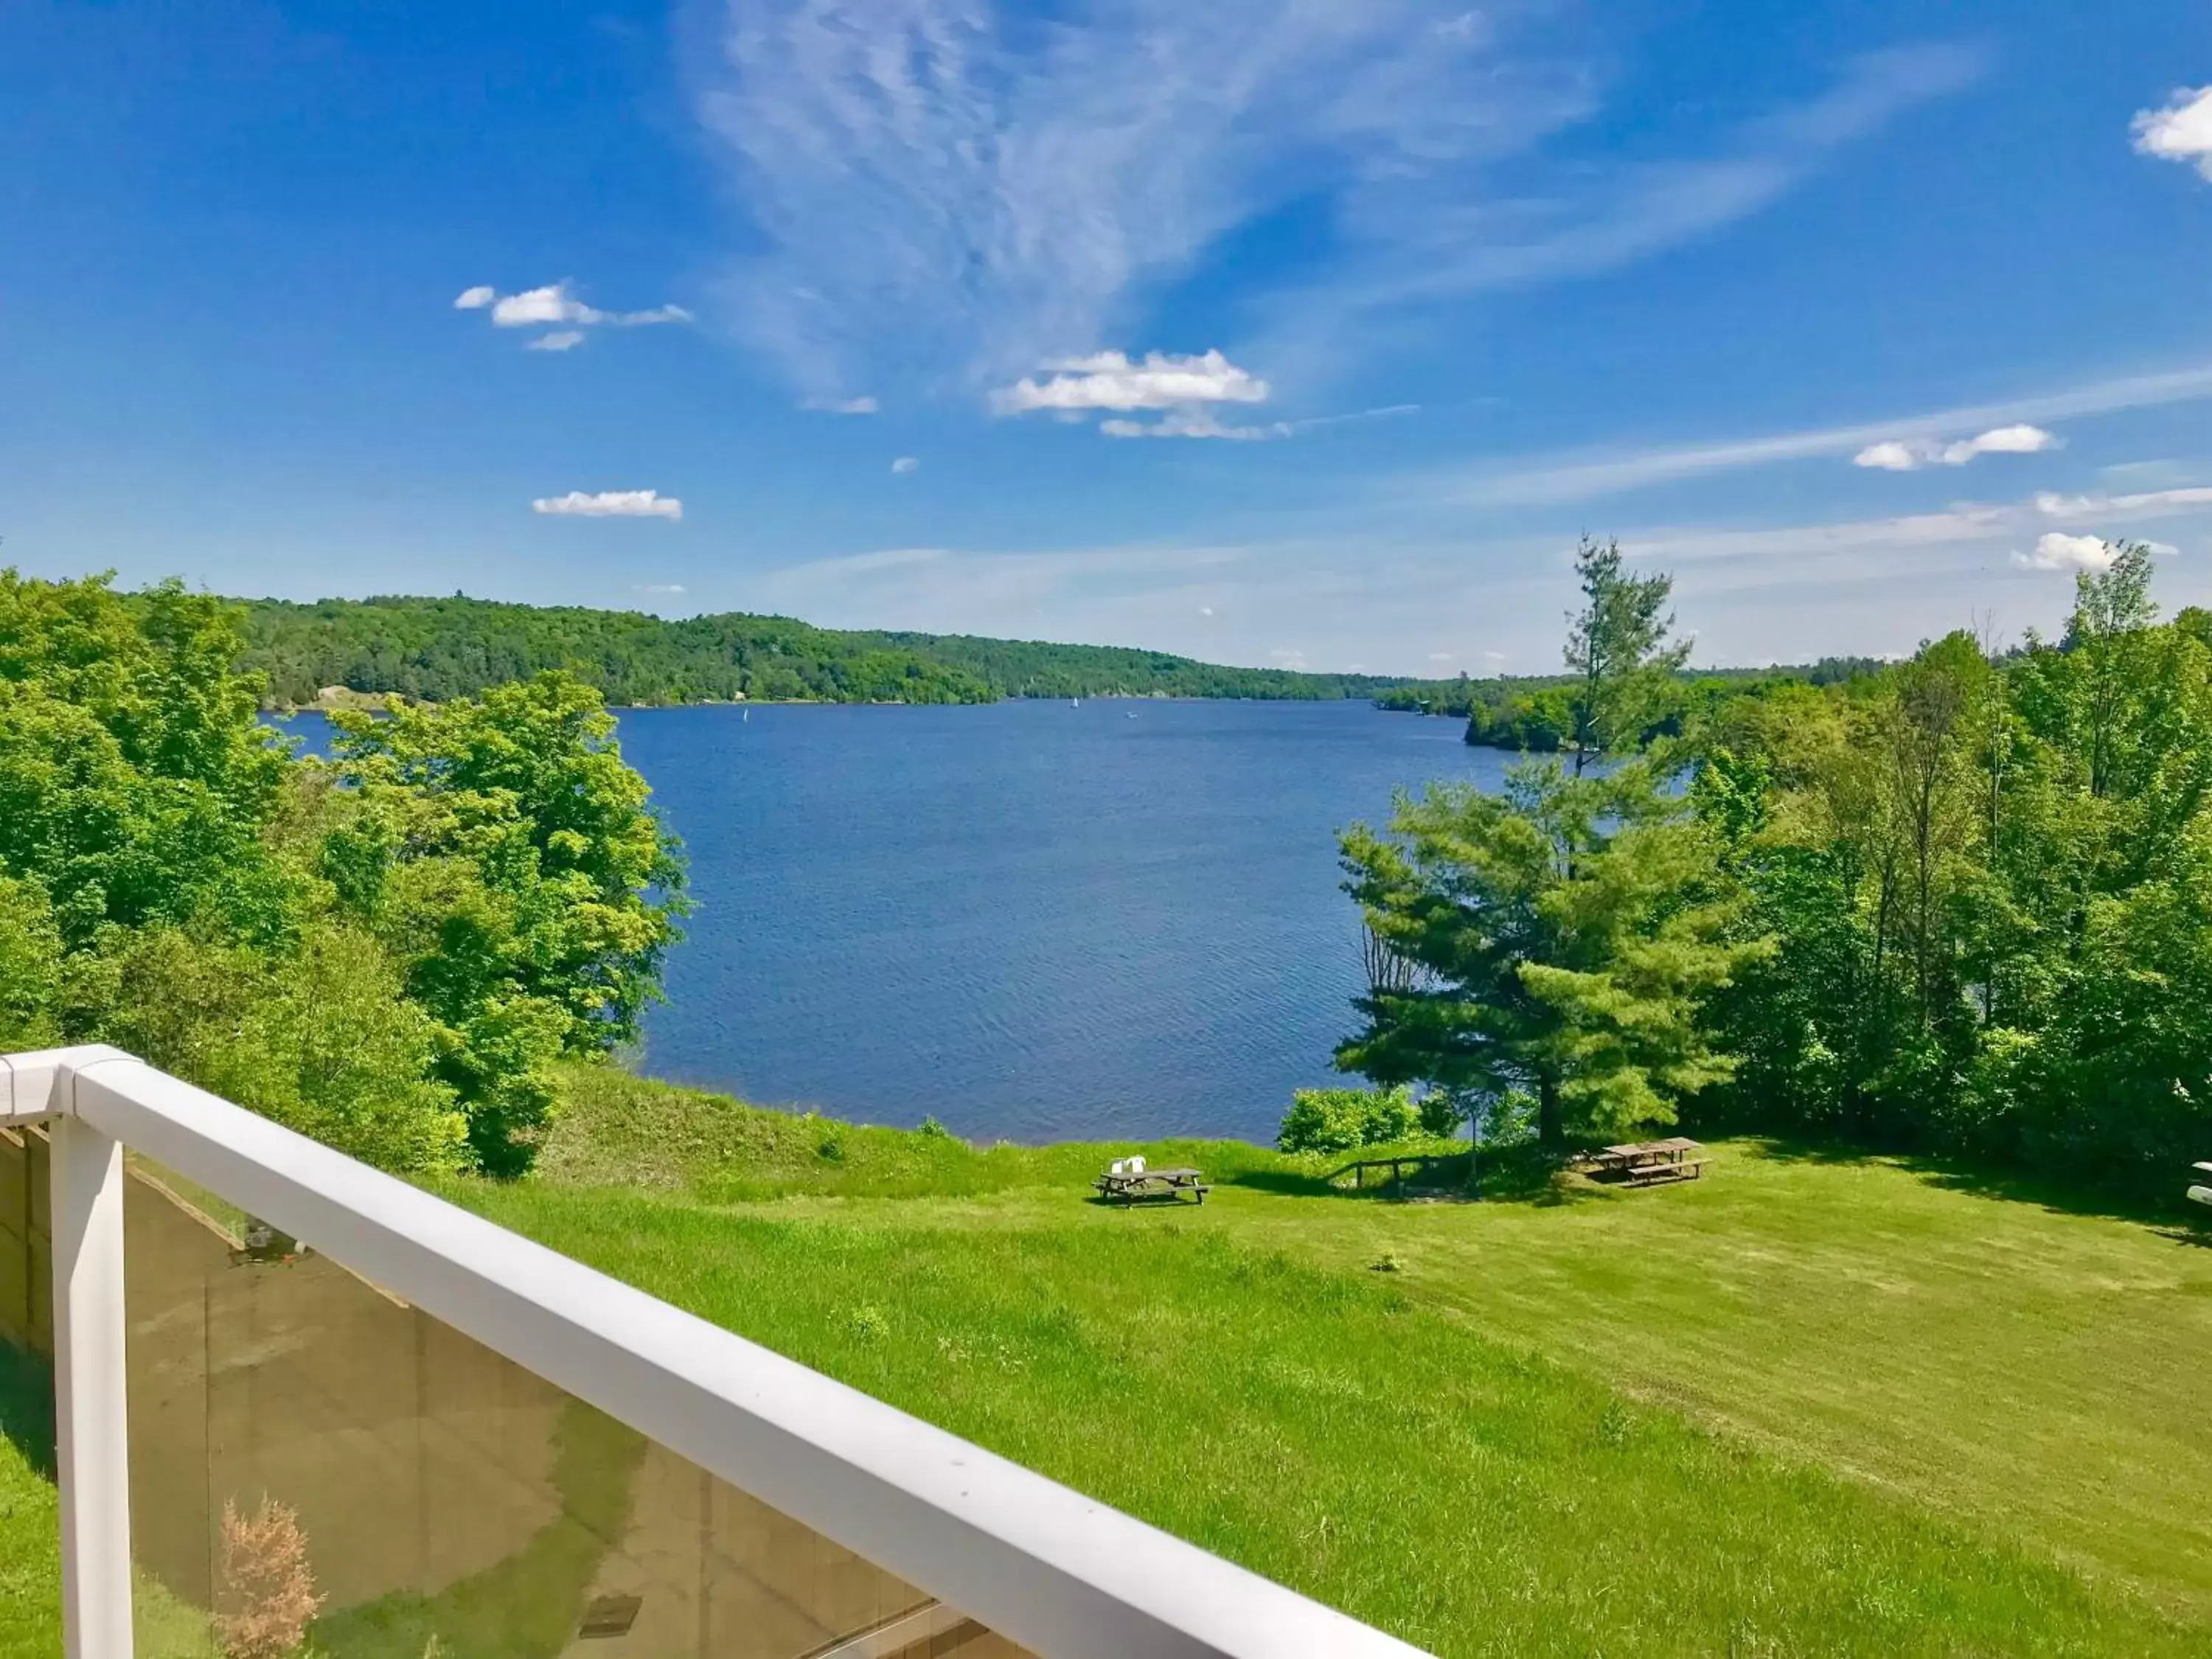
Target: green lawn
pixel 1801 1407
pixel 1836 1406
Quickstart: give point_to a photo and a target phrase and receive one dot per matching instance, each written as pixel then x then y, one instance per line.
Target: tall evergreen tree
pixel 1617 645
pixel 1567 931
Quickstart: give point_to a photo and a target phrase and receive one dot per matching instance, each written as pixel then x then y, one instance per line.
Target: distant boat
pixel 1075 702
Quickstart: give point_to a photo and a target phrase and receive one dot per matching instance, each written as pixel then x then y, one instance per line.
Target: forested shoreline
pixel 431 650
pixel 434 649
pixel 1536 712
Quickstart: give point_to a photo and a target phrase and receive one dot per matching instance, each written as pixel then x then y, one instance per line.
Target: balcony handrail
pixel 1048 1568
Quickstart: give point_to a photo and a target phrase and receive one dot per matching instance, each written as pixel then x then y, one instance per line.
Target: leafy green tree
pixel 1566 932
pixel 503 850
pixel 388 953
pixel 134 780
pixel 30 967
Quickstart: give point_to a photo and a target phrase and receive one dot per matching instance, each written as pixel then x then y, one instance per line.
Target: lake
pixel 1029 921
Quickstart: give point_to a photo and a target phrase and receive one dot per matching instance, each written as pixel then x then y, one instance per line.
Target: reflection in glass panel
pixel 313 1458
pixel 25 1239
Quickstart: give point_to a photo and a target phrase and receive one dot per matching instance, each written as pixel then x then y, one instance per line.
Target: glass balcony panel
pixel 300 1435
pixel 17 1297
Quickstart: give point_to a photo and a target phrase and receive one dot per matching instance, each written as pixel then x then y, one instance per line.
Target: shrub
pixel 1338 1120
pixel 269 1589
pixel 321 1039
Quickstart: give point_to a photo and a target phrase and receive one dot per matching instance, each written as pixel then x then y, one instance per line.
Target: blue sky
pixel 1298 332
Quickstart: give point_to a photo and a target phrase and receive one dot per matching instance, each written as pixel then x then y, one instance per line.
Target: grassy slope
pixel 1799 1408
pixel 1977 1420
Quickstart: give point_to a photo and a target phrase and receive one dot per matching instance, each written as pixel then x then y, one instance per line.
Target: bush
pixel 1337 1119
pixel 321 1039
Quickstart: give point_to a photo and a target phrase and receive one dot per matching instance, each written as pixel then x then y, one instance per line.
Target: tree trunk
pixel 1551 1121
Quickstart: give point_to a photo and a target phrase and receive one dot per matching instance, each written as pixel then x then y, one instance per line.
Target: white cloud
pixel 2021 439
pixel 2182 131
pixel 841 405
pixel 1907 455
pixel 906 464
pixel 660 590
pixel 1547 480
pixel 554 307
pixel 1285 656
pixel 2055 550
pixel 1889 455
pixel 1206 610
pixel 1443 656
pixel 610 504
pixel 954 190
pixel 550 304
pixel 1108 380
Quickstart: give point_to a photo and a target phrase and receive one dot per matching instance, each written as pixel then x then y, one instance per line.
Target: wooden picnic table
pixel 1649 1163
pixel 1171 1184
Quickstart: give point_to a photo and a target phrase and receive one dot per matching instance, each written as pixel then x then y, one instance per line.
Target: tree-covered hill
pixel 435 649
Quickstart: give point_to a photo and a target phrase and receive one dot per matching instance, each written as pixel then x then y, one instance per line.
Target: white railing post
pixel 92 1428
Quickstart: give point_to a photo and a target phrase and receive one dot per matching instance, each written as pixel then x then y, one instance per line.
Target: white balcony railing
pixel 1026 1560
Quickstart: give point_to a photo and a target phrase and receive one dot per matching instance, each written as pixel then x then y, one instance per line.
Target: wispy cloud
pixel 906 464
pixel 1910 454
pixel 1191 423
pixel 2181 130
pixel 2142 504
pixel 841 405
pixel 1563 478
pixel 610 504
pixel 1874 546
pixel 1422 247
pixel 562 339
pixel 949 192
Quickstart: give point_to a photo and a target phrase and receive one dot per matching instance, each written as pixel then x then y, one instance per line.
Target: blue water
pixel 1029 920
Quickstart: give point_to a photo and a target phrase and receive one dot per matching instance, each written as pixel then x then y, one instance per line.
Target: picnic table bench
pixel 1649 1163
pixel 1394 1171
pixel 2202 1191
pixel 1131 1185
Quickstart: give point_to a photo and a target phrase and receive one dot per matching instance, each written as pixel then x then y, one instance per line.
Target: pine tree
pixel 1567 930
pixel 1619 646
